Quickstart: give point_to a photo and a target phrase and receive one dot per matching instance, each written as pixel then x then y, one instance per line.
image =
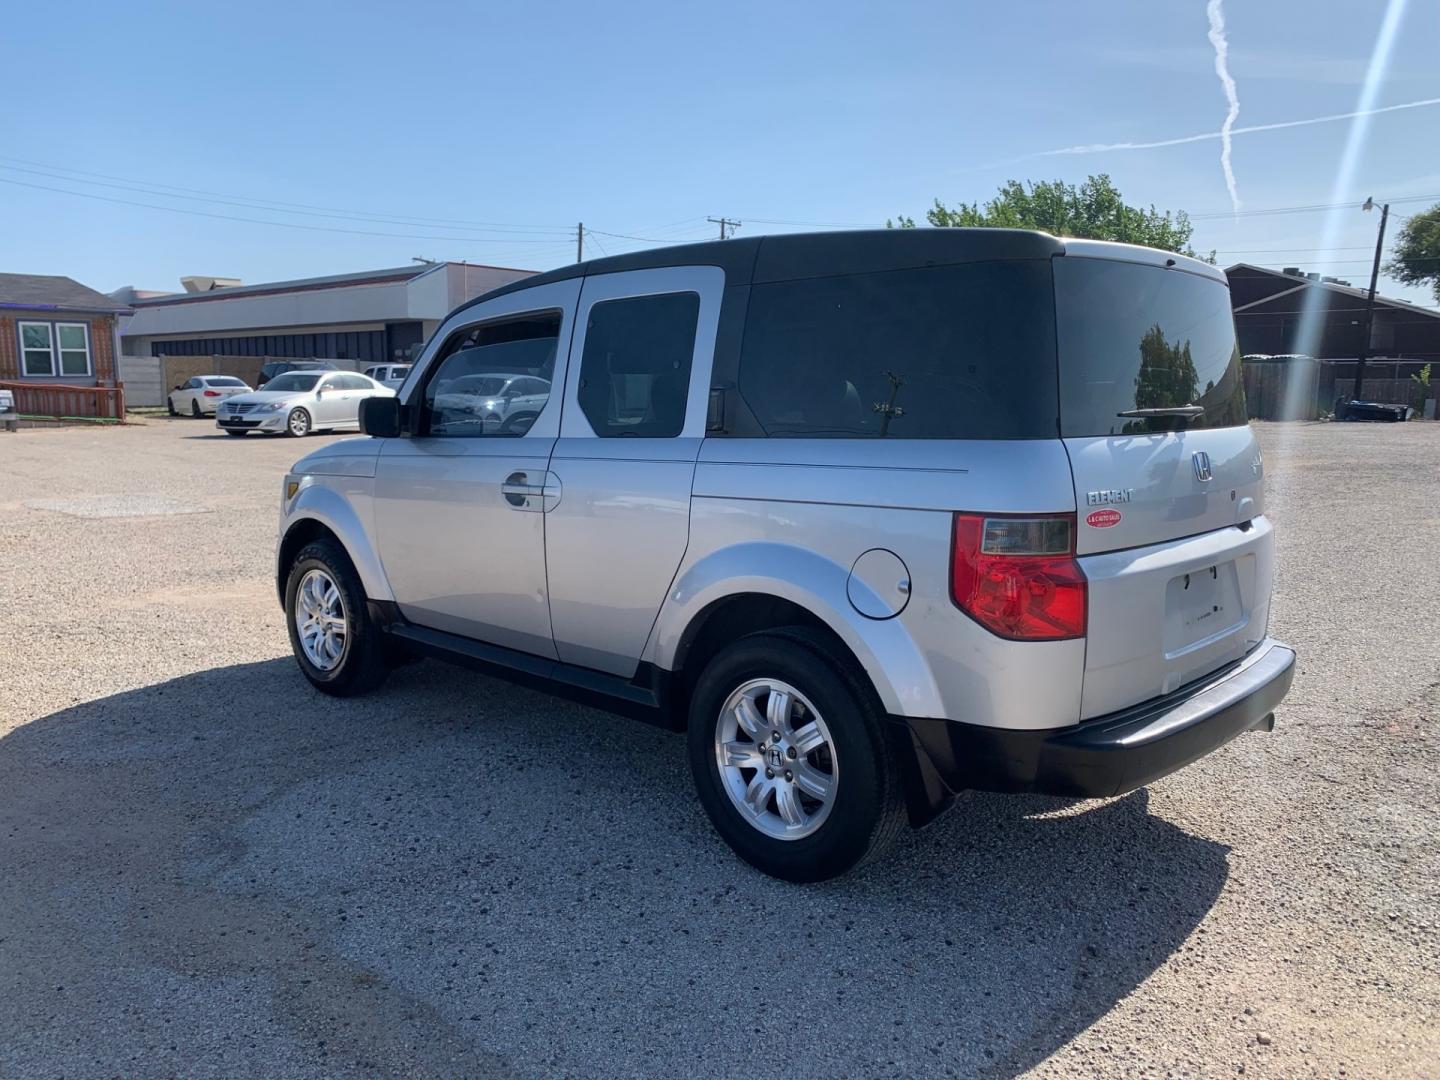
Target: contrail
pixel 1096 148
pixel 1216 14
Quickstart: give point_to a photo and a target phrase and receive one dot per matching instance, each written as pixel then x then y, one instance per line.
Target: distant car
pixel 391 375
pixel 299 402
pixel 497 402
pixel 200 395
pixel 280 367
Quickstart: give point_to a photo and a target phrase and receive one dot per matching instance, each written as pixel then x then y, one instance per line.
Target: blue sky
pixel 642 118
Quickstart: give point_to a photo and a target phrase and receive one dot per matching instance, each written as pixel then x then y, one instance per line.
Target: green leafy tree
pixel 1416 258
pixel 1167 374
pixel 1093 210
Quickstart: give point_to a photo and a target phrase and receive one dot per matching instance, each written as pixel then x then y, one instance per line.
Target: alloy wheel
pixel 776 759
pixel 320 620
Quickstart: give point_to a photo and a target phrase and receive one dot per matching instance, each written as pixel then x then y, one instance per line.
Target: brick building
pixel 53 330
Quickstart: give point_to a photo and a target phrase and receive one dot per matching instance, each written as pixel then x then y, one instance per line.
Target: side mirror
pixel 177 386
pixel 380 416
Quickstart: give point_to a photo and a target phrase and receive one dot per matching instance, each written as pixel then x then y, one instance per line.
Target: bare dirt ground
pixel 208 869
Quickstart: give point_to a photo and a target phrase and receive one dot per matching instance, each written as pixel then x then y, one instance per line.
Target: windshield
pixel 293 382
pixel 1133 336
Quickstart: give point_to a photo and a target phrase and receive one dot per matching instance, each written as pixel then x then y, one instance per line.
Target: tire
pixel 356 664
pixel 297 424
pixel 170 405
pixel 237 434
pixel 195 409
pixel 864 810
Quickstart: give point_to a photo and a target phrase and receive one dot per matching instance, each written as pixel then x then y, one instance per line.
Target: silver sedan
pixel 300 402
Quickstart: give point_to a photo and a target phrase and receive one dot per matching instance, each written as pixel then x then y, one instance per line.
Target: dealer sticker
pixel 1103 519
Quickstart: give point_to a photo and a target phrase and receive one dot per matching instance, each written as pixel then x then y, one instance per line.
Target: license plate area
pixel 1201 607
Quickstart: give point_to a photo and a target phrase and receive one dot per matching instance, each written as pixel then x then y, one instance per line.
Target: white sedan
pixel 203 394
pixel 300 402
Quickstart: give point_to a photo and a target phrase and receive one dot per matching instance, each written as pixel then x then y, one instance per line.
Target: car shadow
pixel 454 876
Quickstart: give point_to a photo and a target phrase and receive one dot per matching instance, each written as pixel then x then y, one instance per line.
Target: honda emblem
pixel 1202 465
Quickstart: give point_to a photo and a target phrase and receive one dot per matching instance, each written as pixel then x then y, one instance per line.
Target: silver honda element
pixel 874 518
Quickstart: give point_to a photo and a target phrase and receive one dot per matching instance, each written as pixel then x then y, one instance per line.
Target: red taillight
pixel 212 393
pixel 1017 576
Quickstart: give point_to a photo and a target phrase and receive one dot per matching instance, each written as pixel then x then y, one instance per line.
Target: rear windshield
pixel 946 352
pixel 224 380
pixel 1143 337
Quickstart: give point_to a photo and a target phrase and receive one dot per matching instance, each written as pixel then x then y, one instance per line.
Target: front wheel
pixel 298 423
pixel 170 406
pixel 790 757
pixel 335 643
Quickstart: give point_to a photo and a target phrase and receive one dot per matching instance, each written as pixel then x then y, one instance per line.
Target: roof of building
pixel 1290 284
pixel 333 281
pixel 53 292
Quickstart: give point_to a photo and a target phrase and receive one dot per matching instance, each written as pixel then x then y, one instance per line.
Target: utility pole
pixel 1370 300
pixel 723 222
pixel 580 241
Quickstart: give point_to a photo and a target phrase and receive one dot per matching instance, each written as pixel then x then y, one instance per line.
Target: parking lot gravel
pixel 208 869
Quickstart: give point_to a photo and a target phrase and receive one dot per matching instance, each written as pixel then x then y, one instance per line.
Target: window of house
pixel 37 349
pixel 54 348
pixel 74 348
pixel 471 392
pixel 635 371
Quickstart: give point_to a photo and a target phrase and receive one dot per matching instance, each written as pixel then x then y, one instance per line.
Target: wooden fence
pixel 1307 389
pixel 58 401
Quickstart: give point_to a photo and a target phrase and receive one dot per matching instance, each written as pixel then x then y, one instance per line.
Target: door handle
pixel 518 490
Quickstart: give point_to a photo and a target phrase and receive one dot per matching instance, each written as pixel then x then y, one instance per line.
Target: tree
pixel 1094 210
pixel 1416 259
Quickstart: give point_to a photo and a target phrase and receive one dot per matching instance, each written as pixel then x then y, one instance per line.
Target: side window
pixel 635 372
pixel 472 393
pixel 945 352
pixel 353 382
pixel 193 384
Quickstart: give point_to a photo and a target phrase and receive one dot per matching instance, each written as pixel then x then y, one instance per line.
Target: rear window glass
pixel 1143 337
pixel 947 352
pixel 225 380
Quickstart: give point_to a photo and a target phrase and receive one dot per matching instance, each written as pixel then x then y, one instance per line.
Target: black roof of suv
pixel 758 259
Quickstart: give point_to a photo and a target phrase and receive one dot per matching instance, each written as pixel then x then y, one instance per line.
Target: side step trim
pixel 645 697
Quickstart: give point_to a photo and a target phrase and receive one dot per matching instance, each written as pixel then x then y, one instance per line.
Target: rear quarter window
pixel 1134 336
pixel 945 352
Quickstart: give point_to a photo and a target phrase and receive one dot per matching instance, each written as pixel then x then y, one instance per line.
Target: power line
pixel 149 187
pixel 723 222
pixel 263 221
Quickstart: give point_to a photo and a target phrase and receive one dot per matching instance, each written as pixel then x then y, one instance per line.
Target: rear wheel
pixel 335 643
pixel 195 408
pixel 298 423
pixel 790 757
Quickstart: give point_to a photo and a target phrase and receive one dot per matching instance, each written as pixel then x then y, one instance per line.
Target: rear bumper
pixel 1108 755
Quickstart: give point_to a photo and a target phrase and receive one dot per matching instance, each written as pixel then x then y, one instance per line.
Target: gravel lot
pixel 206 868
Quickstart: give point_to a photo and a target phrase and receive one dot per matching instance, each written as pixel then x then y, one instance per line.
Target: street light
pixel 1370 300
